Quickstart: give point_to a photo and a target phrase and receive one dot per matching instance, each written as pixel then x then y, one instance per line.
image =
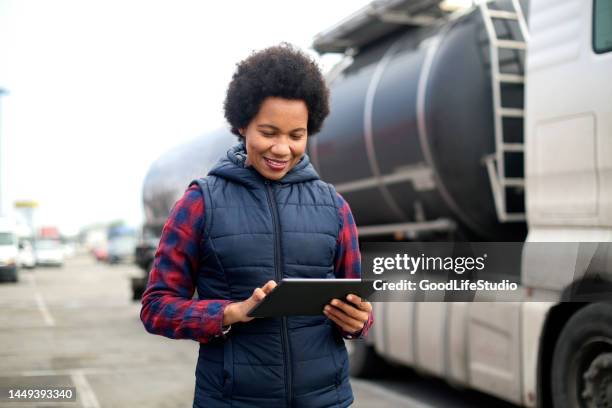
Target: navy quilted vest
pixel 257 230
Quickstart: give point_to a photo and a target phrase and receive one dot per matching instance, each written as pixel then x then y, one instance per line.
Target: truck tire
pixel 138 287
pixel 140 284
pixel 581 374
pixel 364 362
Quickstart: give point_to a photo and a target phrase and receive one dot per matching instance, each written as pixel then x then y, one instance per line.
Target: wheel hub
pixel 597 391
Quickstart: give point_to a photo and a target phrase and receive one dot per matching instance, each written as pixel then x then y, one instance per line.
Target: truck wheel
pixel 137 288
pixel 137 293
pixel 582 360
pixel 139 285
pixel 364 362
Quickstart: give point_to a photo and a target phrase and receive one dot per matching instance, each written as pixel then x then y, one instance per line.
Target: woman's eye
pixel 267 134
pixel 297 137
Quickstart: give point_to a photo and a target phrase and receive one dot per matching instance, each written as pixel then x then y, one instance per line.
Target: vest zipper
pixel 279 275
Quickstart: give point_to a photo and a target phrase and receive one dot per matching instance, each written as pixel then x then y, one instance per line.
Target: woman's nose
pixel 281 150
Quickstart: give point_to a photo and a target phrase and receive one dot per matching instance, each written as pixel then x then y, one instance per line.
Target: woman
pixel 260 215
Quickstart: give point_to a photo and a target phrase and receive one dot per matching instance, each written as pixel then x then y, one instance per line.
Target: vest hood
pixel 232 167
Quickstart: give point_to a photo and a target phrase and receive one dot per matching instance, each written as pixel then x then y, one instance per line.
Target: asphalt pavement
pixel 76 326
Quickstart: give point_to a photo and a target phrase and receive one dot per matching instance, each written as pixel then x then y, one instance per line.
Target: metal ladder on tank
pixel 501 185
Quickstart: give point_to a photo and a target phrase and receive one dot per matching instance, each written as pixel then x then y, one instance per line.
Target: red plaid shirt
pixel 168 307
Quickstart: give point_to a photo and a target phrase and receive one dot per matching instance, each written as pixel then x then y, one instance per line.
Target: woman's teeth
pixel 275 164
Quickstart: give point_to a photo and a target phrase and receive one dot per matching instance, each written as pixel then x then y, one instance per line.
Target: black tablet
pixel 293 297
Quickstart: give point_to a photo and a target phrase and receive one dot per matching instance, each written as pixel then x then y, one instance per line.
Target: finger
pixel 359 302
pixel 258 294
pixel 353 298
pixel 348 319
pixel 340 324
pixel 352 323
pixel 366 307
pixel 349 309
pixel 349 327
pixel 267 288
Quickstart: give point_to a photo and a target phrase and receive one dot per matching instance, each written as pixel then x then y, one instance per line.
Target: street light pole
pixel 2 93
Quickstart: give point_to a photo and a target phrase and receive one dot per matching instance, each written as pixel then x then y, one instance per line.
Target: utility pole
pixel 2 93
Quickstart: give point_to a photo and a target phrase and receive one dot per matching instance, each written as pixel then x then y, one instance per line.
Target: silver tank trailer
pixel 411 121
pixel 169 176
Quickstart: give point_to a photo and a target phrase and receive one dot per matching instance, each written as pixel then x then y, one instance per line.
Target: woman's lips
pixel 276 165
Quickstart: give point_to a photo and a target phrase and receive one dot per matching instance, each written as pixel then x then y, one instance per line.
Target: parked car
pixel 121 249
pixel 49 252
pixel 100 252
pixel 8 251
pixel 26 257
pixel 69 249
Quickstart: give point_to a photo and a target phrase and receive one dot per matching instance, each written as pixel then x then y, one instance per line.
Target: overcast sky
pixel 99 89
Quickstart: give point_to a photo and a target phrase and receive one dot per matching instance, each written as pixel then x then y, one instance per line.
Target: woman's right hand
pixel 237 311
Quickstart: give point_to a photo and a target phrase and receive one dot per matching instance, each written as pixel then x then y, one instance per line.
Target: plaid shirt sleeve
pixel 348 258
pixel 168 307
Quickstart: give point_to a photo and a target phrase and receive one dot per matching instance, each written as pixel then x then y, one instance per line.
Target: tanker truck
pixel 164 184
pixel 489 123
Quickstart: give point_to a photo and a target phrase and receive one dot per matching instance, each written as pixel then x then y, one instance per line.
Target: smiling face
pixel 276 137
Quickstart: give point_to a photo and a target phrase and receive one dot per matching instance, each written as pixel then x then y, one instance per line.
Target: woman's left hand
pixel 351 316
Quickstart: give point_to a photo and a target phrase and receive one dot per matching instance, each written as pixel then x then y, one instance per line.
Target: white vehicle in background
pixel 122 242
pixel 49 252
pixel 69 249
pixel 8 251
pixel 26 257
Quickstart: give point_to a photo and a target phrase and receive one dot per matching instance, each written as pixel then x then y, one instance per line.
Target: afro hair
pixel 280 71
